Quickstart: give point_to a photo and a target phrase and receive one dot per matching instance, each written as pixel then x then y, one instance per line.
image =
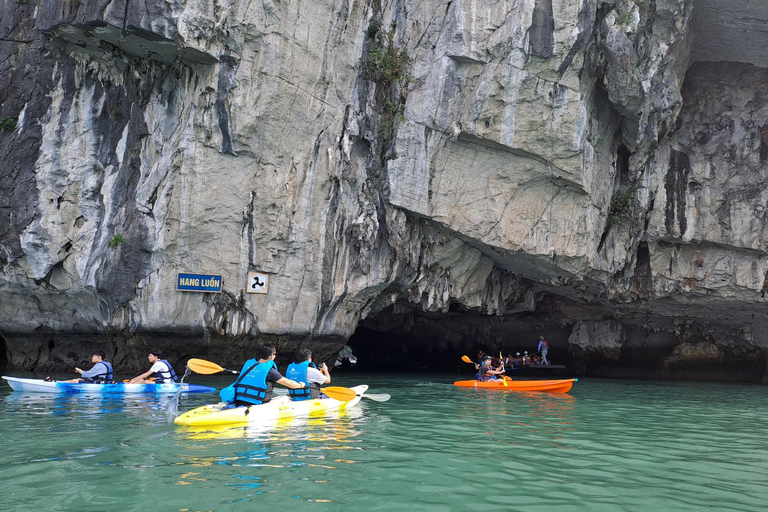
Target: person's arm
pixel 319 376
pixel 327 373
pixel 141 377
pixel 290 383
pixel 93 372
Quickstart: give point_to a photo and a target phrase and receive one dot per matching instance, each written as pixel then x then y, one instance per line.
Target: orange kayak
pixel 552 386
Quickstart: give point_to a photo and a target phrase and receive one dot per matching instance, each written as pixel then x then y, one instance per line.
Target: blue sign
pixel 198 283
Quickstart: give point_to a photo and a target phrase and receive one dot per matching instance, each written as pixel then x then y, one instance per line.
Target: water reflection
pixel 339 425
pixel 89 406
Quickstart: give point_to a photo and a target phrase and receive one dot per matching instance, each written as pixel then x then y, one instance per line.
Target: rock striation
pixel 447 174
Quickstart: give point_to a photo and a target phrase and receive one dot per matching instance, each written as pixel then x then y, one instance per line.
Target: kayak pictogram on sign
pixel 258 282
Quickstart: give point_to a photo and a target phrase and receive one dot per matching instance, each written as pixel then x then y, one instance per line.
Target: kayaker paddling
pixel 254 385
pixel 100 373
pixel 305 371
pixel 487 371
pixel 161 371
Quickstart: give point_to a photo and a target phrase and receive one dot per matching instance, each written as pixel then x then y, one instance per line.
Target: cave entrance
pixel 402 337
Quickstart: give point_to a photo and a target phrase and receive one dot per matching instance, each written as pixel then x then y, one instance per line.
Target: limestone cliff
pixel 457 173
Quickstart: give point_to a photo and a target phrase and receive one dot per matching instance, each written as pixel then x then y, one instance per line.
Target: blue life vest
pixel 252 386
pixel 161 377
pixel 105 377
pixel 298 372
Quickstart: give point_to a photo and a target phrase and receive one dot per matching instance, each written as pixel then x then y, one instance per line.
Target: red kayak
pixel 552 386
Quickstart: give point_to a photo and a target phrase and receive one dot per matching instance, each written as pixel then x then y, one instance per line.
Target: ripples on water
pixel 605 446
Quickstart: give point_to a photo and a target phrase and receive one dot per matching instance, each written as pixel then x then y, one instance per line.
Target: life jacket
pixel 105 377
pixel 252 386
pixel 161 377
pixel 544 345
pixel 298 372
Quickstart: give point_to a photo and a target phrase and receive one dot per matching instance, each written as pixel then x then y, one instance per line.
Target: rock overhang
pixel 733 31
pixel 133 41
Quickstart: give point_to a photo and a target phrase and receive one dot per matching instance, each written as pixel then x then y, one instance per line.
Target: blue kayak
pixel 42 386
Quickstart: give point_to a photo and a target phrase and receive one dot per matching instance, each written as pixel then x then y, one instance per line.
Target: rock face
pixel 454 174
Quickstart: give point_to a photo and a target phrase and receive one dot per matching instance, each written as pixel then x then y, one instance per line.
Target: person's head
pixel 266 352
pixel 98 356
pixel 525 353
pixel 154 355
pixel 517 355
pixel 541 337
pixel 303 355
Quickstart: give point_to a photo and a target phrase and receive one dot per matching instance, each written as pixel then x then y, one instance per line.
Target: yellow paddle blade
pixel 466 359
pixel 203 366
pixel 339 393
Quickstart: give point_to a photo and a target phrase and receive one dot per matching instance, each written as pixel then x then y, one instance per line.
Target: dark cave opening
pixel 402 337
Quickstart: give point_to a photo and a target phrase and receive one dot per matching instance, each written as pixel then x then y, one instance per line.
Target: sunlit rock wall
pixel 228 137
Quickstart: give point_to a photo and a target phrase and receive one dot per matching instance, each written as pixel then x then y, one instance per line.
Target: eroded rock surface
pixel 474 202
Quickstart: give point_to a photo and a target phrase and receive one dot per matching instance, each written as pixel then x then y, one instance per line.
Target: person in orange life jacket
pixel 526 358
pixel 100 373
pixel 544 349
pixel 161 371
pixel 486 370
pixel 254 385
pixel 304 370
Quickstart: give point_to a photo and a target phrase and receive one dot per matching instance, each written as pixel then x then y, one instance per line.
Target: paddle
pixel 501 360
pixel 339 393
pixel 206 367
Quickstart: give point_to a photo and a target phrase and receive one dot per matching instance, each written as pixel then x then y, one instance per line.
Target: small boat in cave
pixel 537 369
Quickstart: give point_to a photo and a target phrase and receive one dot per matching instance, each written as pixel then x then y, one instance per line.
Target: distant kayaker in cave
pixel 254 385
pixel 544 349
pixel 487 372
pixel 161 371
pixel 305 371
pixel 100 373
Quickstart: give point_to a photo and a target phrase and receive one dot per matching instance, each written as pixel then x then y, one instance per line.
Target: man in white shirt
pixel 161 371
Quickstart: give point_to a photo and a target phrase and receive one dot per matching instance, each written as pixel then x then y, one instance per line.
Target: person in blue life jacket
pixel 257 377
pixel 100 373
pixel 160 373
pixel 304 370
pixel 487 372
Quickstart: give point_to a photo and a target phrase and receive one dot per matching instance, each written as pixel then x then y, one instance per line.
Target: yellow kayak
pixel 278 408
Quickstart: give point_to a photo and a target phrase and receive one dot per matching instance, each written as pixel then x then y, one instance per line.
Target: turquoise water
pixel 608 445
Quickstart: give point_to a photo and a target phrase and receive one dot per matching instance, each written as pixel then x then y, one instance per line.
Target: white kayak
pixel 279 407
pixel 42 386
